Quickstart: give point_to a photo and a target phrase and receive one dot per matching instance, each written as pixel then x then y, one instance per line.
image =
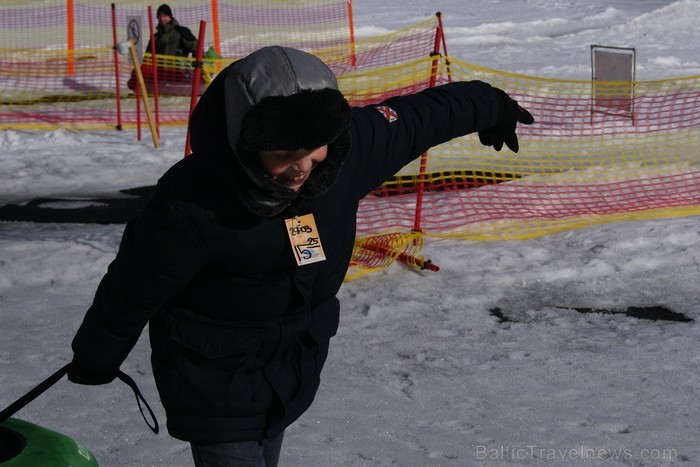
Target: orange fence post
pixel 215 25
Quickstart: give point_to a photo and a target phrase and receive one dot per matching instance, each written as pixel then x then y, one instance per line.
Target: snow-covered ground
pixel 420 372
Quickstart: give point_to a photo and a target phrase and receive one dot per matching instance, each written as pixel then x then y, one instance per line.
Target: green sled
pixel 25 444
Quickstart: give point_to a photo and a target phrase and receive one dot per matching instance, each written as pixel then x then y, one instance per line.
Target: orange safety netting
pixel 598 152
pixel 60 52
pixel 236 27
pixel 583 162
pixel 92 86
pixel 247 25
pixel 576 164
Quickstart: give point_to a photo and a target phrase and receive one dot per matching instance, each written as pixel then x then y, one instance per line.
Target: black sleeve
pixel 390 135
pixel 188 41
pixel 159 253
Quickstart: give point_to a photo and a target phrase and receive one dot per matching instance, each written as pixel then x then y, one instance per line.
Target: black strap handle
pixel 33 394
pixel 40 388
pixel 139 398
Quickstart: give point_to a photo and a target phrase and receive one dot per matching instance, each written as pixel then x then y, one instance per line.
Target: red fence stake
pixel 116 68
pixel 439 40
pixel 441 31
pixel 196 80
pixel 154 68
pixel 70 39
pixel 353 57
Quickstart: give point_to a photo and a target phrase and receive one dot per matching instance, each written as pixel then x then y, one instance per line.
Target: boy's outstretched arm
pixel 391 134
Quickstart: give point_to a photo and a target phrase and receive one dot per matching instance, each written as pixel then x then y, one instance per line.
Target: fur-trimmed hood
pixel 275 98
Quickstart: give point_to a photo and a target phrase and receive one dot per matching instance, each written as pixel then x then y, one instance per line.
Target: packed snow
pixel 421 371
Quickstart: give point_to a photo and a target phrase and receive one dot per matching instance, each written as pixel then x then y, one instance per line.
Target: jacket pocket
pixel 217 370
pixel 214 341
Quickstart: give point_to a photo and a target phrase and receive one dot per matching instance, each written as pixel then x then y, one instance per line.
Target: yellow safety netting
pixel 597 153
pixel 95 87
pixel 584 162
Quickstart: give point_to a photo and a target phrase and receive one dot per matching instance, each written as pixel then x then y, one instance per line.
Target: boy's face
pixel 163 19
pixel 292 168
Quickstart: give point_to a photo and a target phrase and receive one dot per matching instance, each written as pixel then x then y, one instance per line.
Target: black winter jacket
pixel 174 39
pixel 239 333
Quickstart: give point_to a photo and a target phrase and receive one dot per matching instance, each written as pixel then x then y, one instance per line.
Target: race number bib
pixel 306 243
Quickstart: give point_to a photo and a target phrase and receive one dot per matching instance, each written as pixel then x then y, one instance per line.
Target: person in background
pixel 170 37
pixel 237 259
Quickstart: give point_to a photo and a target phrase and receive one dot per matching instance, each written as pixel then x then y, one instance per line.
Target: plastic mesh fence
pixel 597 152
pixel 49 86
pixel 308 25
pixel 48 89
pixel 579 164
pixel 60 52
pixel 237 26
pixel 583 162
pixel 376 252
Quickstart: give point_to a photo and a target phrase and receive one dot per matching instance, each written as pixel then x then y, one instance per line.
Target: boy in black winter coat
pixel 236 261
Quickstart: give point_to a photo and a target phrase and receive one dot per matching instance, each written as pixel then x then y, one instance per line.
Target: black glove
pixel 81 375
pixel 504 130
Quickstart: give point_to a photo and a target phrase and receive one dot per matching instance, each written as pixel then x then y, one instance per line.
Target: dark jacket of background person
pixel 239 333
pixel 173 39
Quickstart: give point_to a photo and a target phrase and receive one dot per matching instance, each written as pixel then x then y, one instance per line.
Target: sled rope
pixel 54 378
pixel 33 394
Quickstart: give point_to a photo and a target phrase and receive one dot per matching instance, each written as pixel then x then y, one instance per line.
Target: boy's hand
pixel 504 130
pixel 80 375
